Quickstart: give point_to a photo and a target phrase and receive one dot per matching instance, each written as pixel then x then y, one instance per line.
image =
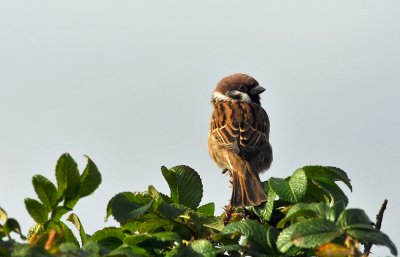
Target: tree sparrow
pixel 238 139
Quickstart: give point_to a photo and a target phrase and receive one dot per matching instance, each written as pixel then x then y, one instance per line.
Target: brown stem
pixel 378 224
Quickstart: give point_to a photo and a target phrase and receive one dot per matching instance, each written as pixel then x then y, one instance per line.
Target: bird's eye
pixel 242 88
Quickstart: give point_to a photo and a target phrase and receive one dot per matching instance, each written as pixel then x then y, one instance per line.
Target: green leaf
pixel 338 208
pixel 373 236
pixel 68 235
pixel 246 228
pixel 203 223
pixel 68 178
pixel 199 248
pixel 166 236
pixel 285 244
pixel 331 190
pixel 28 251
pixel 3 215
pixel 92 248
pixel 293 190
pixel 60 226
pixel 58 212
pixel 308 210
pixel 203 247
pixel 354 218
pixel 325 211
pixel 128 251
pixel 264 211
pixel 308 233
pixel 126 206
pixel 37 210
pixel 269 205
pixel 315 194
pixel 147 223
pixel 70 203
pixel 161 236
pixel 90 179
pixel 303 209
pixel 74 219
pixel 235 250
pixel 185 185
pixel 69 248
pixel 212 222
pixel 160 206
pixel 260 238
pixel 317 172
pixel 207 209
pixel 110 237
pixel 46 191
pixel 272 237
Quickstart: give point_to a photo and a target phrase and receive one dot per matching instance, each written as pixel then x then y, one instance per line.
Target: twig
pixel 378 224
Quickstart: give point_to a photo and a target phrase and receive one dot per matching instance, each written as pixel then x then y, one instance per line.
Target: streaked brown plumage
pixel 238 140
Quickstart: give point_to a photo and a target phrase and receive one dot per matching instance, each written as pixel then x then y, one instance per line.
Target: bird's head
pixel 240 87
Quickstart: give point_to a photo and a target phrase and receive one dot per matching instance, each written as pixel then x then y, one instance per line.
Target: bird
pixel 238 139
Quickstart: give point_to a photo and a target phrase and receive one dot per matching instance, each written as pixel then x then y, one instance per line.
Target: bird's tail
pixel 247 189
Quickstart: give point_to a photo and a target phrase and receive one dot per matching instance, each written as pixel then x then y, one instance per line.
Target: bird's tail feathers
pixel 247 189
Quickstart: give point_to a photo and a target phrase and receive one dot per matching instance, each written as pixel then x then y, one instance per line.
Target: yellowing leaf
pixel 333 250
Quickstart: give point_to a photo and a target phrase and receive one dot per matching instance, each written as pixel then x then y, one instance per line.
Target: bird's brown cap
pixel 234 81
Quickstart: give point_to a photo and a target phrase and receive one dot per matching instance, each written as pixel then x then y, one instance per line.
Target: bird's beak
pixel 257 90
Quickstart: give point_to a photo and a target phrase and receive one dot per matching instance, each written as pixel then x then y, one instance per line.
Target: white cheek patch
pixel 240 96
pixel 220 97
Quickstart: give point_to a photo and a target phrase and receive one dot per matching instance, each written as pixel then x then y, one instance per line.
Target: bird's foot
pixel 227 215
pixel 232 214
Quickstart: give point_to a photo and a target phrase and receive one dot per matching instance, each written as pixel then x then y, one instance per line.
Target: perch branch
pixel 378 224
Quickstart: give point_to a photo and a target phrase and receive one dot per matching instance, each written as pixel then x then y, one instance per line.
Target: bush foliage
pixel 305 215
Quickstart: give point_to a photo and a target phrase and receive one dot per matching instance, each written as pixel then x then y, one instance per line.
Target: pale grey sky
pixel 129 84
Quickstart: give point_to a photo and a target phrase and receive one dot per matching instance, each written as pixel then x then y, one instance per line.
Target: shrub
pixel 305 215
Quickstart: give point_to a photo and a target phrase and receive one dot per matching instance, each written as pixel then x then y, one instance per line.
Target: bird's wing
pixel 240 127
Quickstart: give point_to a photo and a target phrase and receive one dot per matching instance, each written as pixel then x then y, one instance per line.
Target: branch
pixel 378 224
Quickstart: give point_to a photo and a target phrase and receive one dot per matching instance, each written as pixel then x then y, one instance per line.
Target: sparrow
pixel 238 139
